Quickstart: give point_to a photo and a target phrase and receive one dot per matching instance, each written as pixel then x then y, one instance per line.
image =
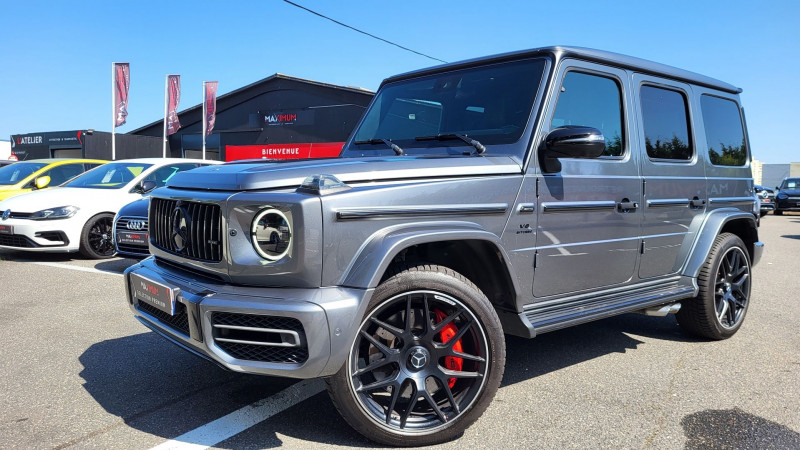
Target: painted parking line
pixel 78 268
pixel 234 423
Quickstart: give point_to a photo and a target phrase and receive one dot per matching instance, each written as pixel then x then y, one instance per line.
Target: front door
pixel 589 212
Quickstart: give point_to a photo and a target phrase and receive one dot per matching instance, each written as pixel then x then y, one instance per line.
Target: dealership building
pixel 278 117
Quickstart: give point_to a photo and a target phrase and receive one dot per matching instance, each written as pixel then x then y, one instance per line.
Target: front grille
pixel 260 338
pixel 179 322
pixel 20 215
pixel 122 224
pixel 16 240
pixel 201 237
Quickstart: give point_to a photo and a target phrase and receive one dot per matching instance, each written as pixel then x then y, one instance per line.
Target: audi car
pixel 78 216
pixel 131 236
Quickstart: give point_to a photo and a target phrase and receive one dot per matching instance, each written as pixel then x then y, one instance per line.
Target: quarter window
pixel 591 101
pixel 666 124
pixel 724 132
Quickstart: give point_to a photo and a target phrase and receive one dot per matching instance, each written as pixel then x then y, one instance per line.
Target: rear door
pixel 673 172
pixel 588 213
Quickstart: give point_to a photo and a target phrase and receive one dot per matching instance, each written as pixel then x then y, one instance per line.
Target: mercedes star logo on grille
pixel 6 214
pixel 180 230
pixel 136 224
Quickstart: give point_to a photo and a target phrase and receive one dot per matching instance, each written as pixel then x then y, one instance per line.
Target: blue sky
pixel 57 55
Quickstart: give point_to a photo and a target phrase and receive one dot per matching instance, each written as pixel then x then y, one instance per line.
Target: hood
pixel 282 174
pixel 61 196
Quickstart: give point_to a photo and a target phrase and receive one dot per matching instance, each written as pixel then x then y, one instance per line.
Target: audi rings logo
pixel 136 224
pixel 6 214
pixel 180 229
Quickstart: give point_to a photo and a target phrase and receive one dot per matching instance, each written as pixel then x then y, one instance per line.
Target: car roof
pixel 166 161
pixel 64 160
pixel 561 52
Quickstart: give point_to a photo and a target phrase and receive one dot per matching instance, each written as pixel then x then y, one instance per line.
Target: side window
pixel 592 101
pixel 724 132
pixel 666 124
pixel 61 174
pixel 162 175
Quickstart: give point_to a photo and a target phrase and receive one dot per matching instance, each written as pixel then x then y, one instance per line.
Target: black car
pixel 766 196
pixel 131 231
pixel 788 196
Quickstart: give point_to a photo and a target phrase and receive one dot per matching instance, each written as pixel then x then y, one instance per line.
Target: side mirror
pixel 571 142
pixel 147 186
pixel 42 182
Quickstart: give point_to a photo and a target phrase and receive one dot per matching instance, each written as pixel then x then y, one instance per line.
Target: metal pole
pixel 166 99
pixel 204 119
pixel 113 114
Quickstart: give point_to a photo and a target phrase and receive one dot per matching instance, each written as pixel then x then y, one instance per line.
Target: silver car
pixel 513 194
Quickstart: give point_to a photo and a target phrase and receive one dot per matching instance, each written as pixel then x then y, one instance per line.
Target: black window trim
pixel 689 123
pixel 747 156
pixel 576 67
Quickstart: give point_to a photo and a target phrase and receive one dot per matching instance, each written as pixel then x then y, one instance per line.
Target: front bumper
pixel 787 204
pixel 39 236
pixel 325 321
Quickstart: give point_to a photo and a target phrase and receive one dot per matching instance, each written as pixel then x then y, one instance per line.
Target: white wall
pixel 5 149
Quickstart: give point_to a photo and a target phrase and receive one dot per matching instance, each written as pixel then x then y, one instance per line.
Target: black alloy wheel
pixel 425 362
pixel 96 239
pixel 724 295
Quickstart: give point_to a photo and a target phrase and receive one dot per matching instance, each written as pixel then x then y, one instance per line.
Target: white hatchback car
pixel 78 215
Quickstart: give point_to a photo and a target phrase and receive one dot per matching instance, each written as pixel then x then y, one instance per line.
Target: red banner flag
pixel 174 95
pixel 122 82
pixel 211 105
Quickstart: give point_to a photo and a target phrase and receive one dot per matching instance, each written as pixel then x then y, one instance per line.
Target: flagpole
pixel 166 99
pixel 205 119
pixel 113 115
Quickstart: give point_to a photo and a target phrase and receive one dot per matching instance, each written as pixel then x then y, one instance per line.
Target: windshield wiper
pixel 450 136
pixel 397 150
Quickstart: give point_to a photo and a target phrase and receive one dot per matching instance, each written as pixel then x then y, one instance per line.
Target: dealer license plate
pixel 6 229
pixel 126 237
pixel 154 294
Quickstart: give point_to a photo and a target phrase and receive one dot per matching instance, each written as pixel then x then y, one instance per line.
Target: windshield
pixel 490 104
pixel 109 176
pixel 14 173
pixel 791 183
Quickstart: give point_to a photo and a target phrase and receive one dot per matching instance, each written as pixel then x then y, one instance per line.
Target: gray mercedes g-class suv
pixel 519 193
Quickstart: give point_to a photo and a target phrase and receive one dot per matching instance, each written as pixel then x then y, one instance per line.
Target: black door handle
pixel 697 203
pixel 626 205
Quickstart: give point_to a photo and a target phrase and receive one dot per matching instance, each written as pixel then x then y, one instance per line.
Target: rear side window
pixel 724 131
pixel 591 101
pixel 666 124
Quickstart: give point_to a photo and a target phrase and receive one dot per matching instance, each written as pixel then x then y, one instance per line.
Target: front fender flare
pixel 378 251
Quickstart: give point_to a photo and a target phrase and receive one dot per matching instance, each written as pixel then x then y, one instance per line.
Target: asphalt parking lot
pixel 79 372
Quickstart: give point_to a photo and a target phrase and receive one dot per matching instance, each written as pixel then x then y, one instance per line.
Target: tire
pixel 777 212
pixel 764 213
pixel 96 239
pixel 721 305
pixel 402 384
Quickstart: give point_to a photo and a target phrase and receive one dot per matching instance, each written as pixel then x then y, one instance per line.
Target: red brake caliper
pixel 447 333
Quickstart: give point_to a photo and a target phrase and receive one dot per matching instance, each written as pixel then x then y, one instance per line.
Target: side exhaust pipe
pixel 661 311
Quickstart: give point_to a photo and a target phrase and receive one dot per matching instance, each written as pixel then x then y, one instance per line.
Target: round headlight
pixel 272 234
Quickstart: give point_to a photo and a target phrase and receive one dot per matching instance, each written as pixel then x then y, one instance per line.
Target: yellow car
pixel 26 176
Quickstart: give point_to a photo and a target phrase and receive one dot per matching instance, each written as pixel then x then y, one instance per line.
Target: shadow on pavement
pixel 160 389
pixel 734 429
pixel 791 236
pixel 117 265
